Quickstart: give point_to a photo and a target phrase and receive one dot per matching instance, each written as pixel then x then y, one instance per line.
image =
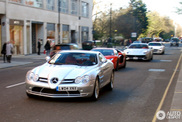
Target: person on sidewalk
pixel 39 46
pixel 47 47
pixel 4 52
pixel 9 51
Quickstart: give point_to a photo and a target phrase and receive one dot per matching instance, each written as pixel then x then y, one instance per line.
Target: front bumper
pixel 157 51
pixel 136 57
pixel 85 90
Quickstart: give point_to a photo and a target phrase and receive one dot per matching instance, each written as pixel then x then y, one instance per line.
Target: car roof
pixel 79 51
pixel 155 42
pixel 104 48
pixel 139 44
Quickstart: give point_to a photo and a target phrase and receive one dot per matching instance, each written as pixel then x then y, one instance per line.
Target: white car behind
pixel 139 51
pixel 158 47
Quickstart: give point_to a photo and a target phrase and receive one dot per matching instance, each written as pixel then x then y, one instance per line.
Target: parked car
pixel 116 56
pixel 71 74
pixel 146 40
pixel 58 47
pixel 174 42
pixel 158 47
pixel 139 51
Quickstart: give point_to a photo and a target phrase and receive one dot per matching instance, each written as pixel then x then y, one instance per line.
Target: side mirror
pixel 47 58
pixel 150 47
pixel 104 60
pixel 126 47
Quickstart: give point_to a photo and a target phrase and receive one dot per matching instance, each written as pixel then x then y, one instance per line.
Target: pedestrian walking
pixel 47 47
pixel 3 52
pixel 39 46
pixel 9 51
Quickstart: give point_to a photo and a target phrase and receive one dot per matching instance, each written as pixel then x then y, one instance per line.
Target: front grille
pixel 41 79
pixel 140 56
pixel 53 91
pixel 155 50
pixel 68 81
pixel 65 81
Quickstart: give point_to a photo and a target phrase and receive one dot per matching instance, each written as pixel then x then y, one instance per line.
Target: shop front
pixel 16 36
pixel 51 33
pixel 65 34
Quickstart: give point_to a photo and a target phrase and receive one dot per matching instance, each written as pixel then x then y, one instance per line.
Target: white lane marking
pixel 156 70
pixel 15 85
pixel 166 60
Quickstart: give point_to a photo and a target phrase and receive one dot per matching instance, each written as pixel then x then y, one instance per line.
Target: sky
pixel 163 7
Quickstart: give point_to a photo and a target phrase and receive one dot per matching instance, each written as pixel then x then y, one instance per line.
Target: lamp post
pixel 59 23
pixel 110 35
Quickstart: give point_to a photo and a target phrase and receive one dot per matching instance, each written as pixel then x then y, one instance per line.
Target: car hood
pixel 109 56
pixel 135 51
pixel 62 71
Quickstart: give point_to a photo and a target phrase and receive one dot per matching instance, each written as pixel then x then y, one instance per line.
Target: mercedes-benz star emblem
pixel 54 80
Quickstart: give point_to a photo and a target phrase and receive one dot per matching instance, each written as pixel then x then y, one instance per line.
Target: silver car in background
pixel 140 51
pixel 71 74
pixel 158 47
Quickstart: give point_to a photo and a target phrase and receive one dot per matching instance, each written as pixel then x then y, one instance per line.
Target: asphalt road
pixel 136 95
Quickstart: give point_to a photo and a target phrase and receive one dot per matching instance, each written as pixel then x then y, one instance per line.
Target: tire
pixel 163 52
pixel 111 83
pixel 96 91
pixel 151 58
pixel 124 66
pixel 117 65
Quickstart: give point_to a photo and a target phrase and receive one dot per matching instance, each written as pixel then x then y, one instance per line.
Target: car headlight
pixel 78 80
pixel 145 52
pixel 84 79
pixel 32 77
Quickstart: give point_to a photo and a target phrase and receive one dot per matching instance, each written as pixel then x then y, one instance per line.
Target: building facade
pixel 23 22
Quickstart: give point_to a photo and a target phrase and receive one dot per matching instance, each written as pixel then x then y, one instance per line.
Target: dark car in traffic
pixel 174 42
pixel 58 47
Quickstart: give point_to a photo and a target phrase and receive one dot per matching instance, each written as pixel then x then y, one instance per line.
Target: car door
pixel 104 70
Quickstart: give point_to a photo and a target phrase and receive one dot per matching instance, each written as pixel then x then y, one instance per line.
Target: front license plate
pixel 135 58
pixel 67 89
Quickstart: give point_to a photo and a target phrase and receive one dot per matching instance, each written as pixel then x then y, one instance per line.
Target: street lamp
pixel 59 23
pixel 110 36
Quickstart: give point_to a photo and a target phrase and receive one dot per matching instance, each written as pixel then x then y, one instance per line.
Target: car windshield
pixel 138 46
pixel 175 39
pixel 81 59
pixel 105 52
pixel 154 44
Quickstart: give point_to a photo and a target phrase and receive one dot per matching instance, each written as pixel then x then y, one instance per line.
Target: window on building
pixel 85 9
pixel 74 7
pixel 65 34
pixel 35 3
pixel 63 6
pixel 18 1
pixel 84 34
pixel 51 33
pixel 50 4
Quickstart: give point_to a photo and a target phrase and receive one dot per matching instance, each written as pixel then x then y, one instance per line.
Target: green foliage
pixel 135 18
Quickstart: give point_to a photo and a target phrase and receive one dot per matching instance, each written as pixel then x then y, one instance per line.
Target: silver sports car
pixel 71 74
pixel 139 51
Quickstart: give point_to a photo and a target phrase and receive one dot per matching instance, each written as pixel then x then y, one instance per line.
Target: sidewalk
pixel 176 105
pixel 22 62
